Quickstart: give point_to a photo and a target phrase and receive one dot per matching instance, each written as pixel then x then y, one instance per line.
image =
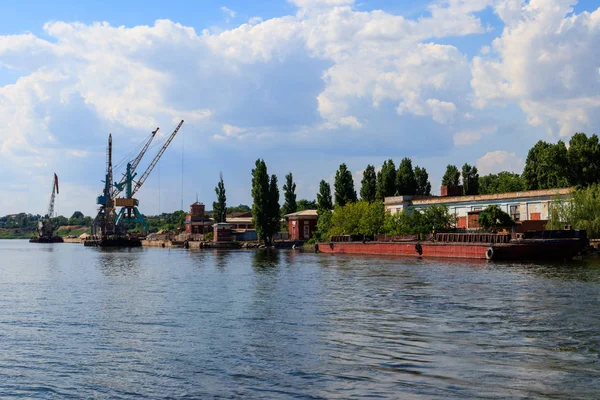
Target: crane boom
pixel 146 173
pixel 52 197
pixel 116 191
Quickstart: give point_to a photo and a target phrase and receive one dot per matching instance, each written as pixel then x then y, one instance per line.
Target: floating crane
pixel 45 230
pixel 104 222
pixel 129 212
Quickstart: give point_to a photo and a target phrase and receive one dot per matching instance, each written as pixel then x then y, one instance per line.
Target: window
pixel 515 213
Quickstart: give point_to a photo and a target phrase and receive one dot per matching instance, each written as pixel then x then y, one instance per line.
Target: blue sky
pixel 304 84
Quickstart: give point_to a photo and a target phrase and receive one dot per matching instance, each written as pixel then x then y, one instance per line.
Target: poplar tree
pixel 324 202
pixel 344 187
pixel 368 189
pixel 220 206
pixel 470 178
pixel 452 176
pixel 265 207
pixel 289 194
pixel 386 180
pixel 423 184
pixel 324 207
pixel 406 184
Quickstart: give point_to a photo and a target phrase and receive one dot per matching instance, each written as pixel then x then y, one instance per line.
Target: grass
pixel 16 234
pixel 72 231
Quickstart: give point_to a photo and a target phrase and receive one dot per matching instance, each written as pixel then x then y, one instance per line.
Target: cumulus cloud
pixel 546 60
pixel 329 71
pixel 500 160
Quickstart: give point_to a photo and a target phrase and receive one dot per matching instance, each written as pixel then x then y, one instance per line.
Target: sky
pixel 303 84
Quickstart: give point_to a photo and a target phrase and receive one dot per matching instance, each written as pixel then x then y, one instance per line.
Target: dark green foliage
pixel 368 189
pixel 406 183
pixel 165 221
pixel 546 166
pixel 344 187
pixel 265 208
pixel 220 206
pixel 492 217
pixel 470 178
pixel 502 182
pixel 76 219
pixel 580 210
pixel 423 184
pixel 324 201
pixel 386 180
pixel 289 194
pixel 434 218
pixel 324 207
pixel 451 177
pixel 359 218
pixel 239 209
pixel 584 160
pixel 304 204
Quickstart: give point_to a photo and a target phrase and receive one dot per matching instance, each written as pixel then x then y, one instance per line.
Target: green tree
pixel 584 160
pixel 289 194
pixel 423 184
pixel 304 204
pixel 503 182
pixel 265 207
pixel 324 201
pixel 451 177
pixel 324 207
pixel 581 210
pixel 410 222
pixel 492 217
pixel 546 166
pixel 242 208
pixel 359 218
pixel 220 206
pixel 344 186
pixel 386 180
pixel 368 189
pixel 406 183
pixel 470 178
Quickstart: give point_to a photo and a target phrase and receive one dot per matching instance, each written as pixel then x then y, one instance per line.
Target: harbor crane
pixel 45 229
pixel 129 212
pixel 104 222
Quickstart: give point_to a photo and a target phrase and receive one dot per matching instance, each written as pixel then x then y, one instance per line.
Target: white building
pixel 531 205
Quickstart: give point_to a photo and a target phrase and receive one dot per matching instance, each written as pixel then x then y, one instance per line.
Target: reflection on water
pixel 85 322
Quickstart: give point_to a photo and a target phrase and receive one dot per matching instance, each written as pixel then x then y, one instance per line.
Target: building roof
pixel 430 200
pixel 239 220
pixel 303 213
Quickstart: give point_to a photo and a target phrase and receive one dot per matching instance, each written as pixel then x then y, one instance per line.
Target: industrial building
pixel 302 224
pixel 523 207
pixel 196 221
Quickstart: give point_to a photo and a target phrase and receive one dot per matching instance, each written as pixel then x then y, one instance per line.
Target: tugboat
pixel 45 231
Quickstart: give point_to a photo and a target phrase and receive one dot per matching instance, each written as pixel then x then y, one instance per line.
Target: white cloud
pixel 500 160
pixel 321 3
pixel 229 13
pixel 469 137
pixel 546 61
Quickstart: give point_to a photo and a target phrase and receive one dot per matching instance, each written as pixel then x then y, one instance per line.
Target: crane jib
pixel 146 173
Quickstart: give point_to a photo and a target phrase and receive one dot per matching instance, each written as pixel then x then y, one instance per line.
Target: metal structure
pixel 104 222
pixel 45 230
pixel 129 212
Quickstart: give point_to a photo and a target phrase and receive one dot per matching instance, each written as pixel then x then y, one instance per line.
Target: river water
pixel 86 322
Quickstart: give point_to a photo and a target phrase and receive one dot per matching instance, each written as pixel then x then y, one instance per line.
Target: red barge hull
pixel 542 249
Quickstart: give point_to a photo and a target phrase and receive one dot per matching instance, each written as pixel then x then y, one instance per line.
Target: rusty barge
pixel 528 246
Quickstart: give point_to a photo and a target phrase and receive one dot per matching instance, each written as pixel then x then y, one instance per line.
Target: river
pixel 86 322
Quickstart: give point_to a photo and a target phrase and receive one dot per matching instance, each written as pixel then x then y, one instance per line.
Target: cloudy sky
pixel 304 84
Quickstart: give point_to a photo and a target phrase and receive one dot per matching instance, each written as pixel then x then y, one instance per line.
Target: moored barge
pixel 530 246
